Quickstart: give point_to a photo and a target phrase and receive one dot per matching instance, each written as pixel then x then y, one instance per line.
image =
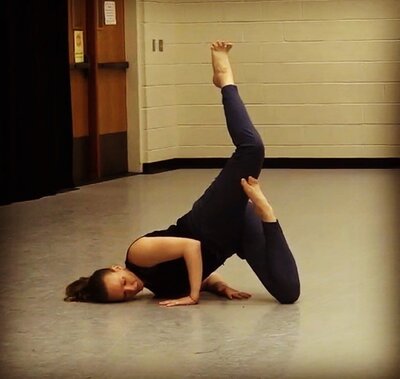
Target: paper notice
pixel 109 13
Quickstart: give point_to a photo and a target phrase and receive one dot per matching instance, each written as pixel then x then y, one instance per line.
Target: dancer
pixel 232 216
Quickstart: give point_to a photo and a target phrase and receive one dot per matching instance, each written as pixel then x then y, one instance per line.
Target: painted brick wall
pixel 320 78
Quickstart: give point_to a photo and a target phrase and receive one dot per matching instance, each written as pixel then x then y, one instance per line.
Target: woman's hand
pixel 231 293
pixel 187 300
pixel 215 284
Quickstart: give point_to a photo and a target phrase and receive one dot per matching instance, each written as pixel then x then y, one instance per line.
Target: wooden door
pixel 98 88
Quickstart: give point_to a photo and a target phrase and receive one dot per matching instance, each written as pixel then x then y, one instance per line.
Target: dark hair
pixel 89 289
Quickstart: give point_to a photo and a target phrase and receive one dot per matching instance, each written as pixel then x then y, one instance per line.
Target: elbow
pixel 192 250
pixel 195 245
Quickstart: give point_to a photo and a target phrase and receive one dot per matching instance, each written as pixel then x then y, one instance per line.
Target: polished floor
pixel 342 226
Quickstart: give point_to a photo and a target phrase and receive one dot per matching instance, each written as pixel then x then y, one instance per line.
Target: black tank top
pixel 170 279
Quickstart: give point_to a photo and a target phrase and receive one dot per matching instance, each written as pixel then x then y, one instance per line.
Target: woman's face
pixel 122 284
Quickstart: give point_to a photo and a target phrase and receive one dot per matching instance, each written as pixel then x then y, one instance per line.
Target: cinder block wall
pixel 320 78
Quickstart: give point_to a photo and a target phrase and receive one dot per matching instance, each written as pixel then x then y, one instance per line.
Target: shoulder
pixel 142 243
pixel 149 251
pixel 155 233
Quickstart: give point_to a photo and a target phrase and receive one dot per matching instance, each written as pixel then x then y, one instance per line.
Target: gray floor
pixel 342 225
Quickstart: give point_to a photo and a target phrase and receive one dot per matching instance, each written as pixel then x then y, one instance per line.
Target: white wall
pixel 320 78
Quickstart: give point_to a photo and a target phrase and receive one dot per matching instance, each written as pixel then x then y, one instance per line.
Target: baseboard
pixel 304 163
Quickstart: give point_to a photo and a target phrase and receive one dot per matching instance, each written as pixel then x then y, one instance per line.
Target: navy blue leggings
pixel 223 217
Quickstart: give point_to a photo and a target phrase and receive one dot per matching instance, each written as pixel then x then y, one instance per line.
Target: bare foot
pixel 220 61
pixel 261 205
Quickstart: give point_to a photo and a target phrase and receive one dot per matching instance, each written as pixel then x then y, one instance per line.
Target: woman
pixel 232 216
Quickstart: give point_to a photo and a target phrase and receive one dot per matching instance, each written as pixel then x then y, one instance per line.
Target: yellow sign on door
pixel 78 46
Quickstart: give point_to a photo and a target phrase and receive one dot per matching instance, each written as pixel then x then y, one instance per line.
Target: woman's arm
pixel 215 284
pixel 150 251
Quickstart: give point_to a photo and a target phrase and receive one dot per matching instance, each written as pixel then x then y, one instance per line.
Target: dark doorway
pixel 36 133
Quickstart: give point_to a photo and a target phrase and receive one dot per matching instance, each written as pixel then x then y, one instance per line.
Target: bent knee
pixel 258 146
pixel 256 149
pixel 290 296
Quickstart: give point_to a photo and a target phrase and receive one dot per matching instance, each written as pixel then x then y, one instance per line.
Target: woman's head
pixel 105 285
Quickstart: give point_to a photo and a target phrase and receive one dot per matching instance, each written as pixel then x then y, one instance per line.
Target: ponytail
pixel 89 289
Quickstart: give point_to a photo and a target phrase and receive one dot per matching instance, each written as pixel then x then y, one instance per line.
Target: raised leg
pixel 217 216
